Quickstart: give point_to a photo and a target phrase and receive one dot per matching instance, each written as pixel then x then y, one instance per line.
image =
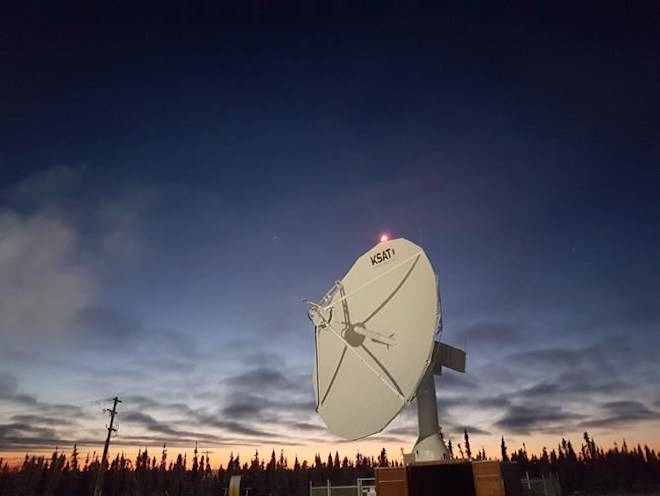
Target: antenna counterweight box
pixel 450 477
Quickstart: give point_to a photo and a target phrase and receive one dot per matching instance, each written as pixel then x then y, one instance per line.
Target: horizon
pixel 173 185
pixel 15 460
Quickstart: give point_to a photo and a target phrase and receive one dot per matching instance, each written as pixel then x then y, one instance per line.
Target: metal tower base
pixel 430 445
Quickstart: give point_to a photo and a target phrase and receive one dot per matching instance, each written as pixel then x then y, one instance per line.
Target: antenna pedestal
pixel 429 446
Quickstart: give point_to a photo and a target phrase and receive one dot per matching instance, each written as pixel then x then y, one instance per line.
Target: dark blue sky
pixel 175 179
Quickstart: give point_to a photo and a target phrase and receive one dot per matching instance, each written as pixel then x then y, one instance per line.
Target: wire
pixel 360 288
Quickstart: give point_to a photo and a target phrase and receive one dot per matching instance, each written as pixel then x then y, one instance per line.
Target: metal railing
pixel 364 487
pixel 546 485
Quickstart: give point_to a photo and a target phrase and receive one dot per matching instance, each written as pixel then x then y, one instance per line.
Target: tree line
pixel 589 468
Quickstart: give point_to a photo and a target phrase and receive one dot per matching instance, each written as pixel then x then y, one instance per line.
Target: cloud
pixel 146 403
pixel 259 379
pixel 404 430
pixel 48 188
pixel 62 231
pixel 142 402
pixel 454 382
pixel 26 430
pixel 157 426
pixel 542 389
pixel 235 427
pixel 19 432
pixel 471 429
pixel 40 411
pixel 266 358
pixel 265 395
pixel 452 424
pixel 200 420
pixel 574 372
pixel 177 441
pixel 41 420
pixel 553 357
pixel 488 334
pixel 43 283
pixel 493 402
pixel 268 401
pixel 619 413
pixel 22 399
pixel 248 408
pixel 254 407
pixel 564 390
pixel 102 326
pixel 306 426
pixel 107 213
pixel 382 438
pixel 120 224
pixel 300 406
pixel 544 418
pixel 9 391
pixel 169 341
pixel 573 384
pixel 8 385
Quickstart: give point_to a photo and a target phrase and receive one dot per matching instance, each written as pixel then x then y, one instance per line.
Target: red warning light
pixel 384 237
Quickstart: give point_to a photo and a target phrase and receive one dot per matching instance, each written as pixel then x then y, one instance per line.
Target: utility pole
pixel 98 489
pixel 207 453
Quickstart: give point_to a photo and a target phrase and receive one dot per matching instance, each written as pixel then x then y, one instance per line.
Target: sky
pixel 175 180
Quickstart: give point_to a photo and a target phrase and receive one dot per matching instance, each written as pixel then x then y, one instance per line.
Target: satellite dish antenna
pixel 377 346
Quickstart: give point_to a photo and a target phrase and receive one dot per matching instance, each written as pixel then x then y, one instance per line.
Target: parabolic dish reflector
pixel 375 332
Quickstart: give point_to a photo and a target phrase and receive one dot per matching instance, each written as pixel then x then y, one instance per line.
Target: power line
pixel 47 406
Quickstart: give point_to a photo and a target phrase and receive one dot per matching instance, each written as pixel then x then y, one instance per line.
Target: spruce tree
pixel 505 456
pixel 468 451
